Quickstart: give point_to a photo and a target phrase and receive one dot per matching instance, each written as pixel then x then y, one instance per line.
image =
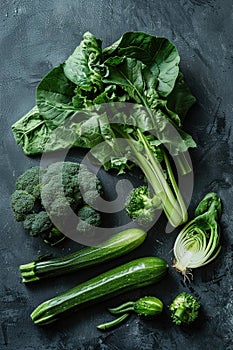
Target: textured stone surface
pixel 36 36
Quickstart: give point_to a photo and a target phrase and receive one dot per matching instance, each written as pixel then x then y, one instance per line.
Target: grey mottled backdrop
pixel 36 35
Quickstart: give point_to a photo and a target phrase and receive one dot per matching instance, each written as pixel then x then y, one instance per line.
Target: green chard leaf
pixel 134 77
pixel 54 97
pixel 31 132
pixel 158 54
pixel 180 100
pixel 84 67
pixel 138 68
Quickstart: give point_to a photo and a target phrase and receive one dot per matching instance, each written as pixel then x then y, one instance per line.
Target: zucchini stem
pixel 126 307
pixel 113 323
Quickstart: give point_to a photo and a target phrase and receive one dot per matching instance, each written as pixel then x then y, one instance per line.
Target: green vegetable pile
pixel 140 69
pixel 132 275
pixel 41 196
pixel 139 81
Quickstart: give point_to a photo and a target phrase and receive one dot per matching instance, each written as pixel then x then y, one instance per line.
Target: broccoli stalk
pixel 184 309
pixel 166 193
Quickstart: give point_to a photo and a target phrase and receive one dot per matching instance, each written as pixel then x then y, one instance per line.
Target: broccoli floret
pixel 53 170
pixel 55 201
pixel 53 193
pixel 61 179
pixel 89 218
pixel 90 186
pixel 140 205
pixel 37 223
pixel 60 207
pixel 184 308
pixel 30 181
pixel 22 204
pixel 49 192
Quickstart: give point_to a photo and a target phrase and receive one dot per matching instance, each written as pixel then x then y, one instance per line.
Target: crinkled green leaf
pixel 159 54
pixel 180 100
pixel 54 97
pixel 128 75
pixel 138 68
pixel 31 132
pixel 135 78
pixel 83 67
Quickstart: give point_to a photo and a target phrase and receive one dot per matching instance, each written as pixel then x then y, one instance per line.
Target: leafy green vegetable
pixel 31 132
pixel 140 69
pixel 84 80
pixel 180 100
pixel 198 243
pixel 184 309
pixel 158 54
pixel 54 97
pixel 83 67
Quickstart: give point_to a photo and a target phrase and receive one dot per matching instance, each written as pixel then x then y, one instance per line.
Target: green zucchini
pixel 137 273
pixel 145 306
pixel 118 245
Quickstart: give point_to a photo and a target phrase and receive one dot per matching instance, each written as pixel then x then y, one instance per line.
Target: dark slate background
pixel 37 35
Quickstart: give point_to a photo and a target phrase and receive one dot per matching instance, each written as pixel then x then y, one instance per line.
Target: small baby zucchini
pixel 145 306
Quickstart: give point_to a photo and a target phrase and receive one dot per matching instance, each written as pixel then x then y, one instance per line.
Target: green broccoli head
pixel 22 204
pixel 49 192
pixel 37 223
pixel 59 181
pixel 140 205
pixel 29 181
pixel 184 309
pixel 60 207
pixel 56 190
pixel 55 201
pixel 90 186
pixel 89 218
pixel 53 170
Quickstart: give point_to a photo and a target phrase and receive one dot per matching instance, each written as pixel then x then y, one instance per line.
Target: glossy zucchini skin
pixel 135 274
pixel 118 245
